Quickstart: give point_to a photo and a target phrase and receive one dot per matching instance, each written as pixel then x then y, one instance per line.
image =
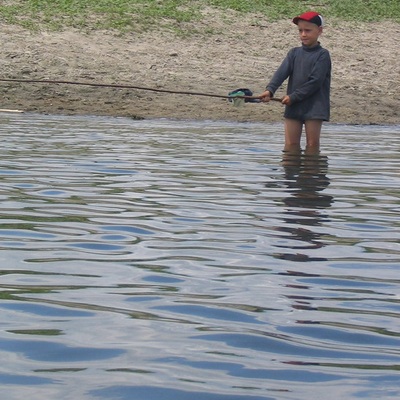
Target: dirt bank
pixel 366 71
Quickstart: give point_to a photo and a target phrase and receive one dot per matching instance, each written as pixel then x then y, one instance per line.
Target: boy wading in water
pixel 309 71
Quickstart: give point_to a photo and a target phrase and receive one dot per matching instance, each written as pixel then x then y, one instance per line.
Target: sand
pixel 365 81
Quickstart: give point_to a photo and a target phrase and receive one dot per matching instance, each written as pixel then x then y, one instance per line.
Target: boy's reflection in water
pixel 305 176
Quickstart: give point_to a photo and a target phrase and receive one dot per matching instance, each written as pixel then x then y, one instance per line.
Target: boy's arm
pixel 280 75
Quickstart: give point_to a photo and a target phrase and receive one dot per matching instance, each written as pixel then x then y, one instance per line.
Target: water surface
pixel 194 260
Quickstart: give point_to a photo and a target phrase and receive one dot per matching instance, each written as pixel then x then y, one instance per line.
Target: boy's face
pixel 309 33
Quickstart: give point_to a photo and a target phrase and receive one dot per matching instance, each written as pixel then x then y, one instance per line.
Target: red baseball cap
pixel 310 16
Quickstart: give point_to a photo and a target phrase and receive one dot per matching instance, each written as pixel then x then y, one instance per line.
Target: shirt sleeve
pixel 281 74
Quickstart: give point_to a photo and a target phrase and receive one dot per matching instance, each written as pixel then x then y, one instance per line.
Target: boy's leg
pixel 293 128
pixel 313 132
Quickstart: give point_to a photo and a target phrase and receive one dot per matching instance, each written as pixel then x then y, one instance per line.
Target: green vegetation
pixel 139 15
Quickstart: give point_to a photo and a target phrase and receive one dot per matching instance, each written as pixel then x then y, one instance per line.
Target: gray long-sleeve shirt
pixel 309 73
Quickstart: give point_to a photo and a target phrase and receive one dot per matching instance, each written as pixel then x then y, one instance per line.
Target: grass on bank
pixel 140 15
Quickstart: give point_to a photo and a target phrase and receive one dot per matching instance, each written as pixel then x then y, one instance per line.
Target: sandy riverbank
pixel 366 71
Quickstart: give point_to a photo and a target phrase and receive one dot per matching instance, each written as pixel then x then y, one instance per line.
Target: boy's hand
pixel 265 96
pixel 286 100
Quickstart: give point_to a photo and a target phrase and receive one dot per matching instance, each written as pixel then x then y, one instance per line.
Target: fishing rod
pixel 123 86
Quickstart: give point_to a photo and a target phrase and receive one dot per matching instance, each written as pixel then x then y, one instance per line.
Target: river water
pixel 165 260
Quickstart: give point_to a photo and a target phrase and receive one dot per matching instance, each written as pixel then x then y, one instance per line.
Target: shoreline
pixel 113 114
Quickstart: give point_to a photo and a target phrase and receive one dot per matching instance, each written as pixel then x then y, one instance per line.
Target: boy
pixel 309 71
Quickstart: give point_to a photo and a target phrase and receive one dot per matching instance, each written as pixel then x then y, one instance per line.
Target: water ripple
pixel 162 259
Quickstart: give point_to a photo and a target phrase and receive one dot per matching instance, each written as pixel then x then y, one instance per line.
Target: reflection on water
pixel 186 260
pixel 305 177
